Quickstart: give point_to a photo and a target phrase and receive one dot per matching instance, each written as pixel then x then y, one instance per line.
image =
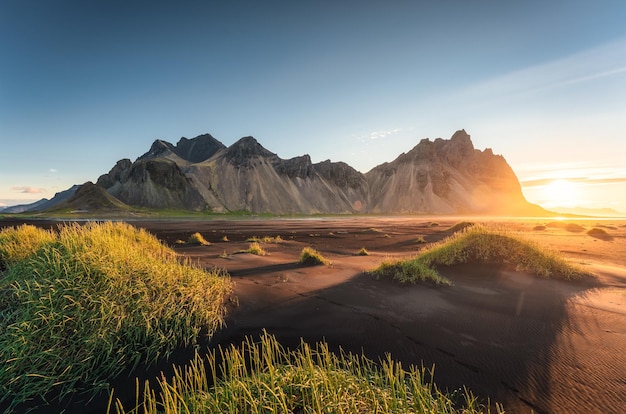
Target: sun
pixel 562 193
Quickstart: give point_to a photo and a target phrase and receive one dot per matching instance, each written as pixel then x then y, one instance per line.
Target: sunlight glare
pixel 563 193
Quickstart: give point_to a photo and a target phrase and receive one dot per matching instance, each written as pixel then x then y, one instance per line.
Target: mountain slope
pixel 437 177
pixel 44 203
pixel 90 197
pixel 447 176
pixel 248 177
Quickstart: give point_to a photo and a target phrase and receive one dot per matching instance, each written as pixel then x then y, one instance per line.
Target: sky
pixel 84 84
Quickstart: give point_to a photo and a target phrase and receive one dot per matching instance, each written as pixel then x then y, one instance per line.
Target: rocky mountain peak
pixel 243 151
pixel 90 196
pixel 198 149
pixel 118 173
pixel 301 167
pixel 458 149
pixel 159 148
pixel 340 173
pixel 453 151
pixel 441 176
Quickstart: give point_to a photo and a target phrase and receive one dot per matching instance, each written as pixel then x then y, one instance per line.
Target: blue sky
pixel 84 84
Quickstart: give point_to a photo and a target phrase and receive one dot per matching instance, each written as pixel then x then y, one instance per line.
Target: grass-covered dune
pixel 480 243
pixel 264 377
pixel 80 305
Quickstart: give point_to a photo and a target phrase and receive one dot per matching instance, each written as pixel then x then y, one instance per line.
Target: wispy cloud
pixel 383 134
pixel 53 170
pixel 581 180
pixel 602 62
pixel 375 135
pixel 28 190
pixel 573 171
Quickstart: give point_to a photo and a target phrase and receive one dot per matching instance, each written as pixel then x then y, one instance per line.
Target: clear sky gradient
pixel 86 83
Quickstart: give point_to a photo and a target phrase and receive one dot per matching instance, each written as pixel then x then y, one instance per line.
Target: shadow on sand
pixel 493 331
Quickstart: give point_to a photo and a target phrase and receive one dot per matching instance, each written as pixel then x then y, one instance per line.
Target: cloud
pixel 606 61
pixel 28 190
pixel 383 134
pixel 582 180
pixel 53 170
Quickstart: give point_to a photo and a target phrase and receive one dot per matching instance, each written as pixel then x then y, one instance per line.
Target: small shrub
pixel 310 256
pixel 363 252
pixel 420 240
pixel 197 239
pixel 255 248
pixel 224 238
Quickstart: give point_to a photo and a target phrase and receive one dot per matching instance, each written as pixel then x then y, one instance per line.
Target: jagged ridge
pixel 440 176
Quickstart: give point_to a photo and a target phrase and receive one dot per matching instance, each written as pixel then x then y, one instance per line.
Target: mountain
pixel 44 203
pixel 450 177
pixel 90 197
pixel 585 211
pixel 435 177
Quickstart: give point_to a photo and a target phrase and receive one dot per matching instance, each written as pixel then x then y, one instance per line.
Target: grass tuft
pixel 197 239
pixel 409 271
pixel 265 239
pixel 80 306
pixel 17 243
pixel 310 257
pixel 363 252
pixel 480 243
pixel 264 377
pixel 255 248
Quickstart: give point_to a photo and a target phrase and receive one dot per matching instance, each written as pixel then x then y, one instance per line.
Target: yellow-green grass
pixel 79 306
pixel 17 243
pixel 479 243
pixel 264 377
pixel 265 239
pixel 198 239
pixel 363 252
pixel 310 257
pixel 255 248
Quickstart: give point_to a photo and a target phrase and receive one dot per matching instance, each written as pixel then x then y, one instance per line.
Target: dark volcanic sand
pixel 528 343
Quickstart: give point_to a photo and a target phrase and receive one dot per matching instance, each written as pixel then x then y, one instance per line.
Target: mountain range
pixel 202 174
